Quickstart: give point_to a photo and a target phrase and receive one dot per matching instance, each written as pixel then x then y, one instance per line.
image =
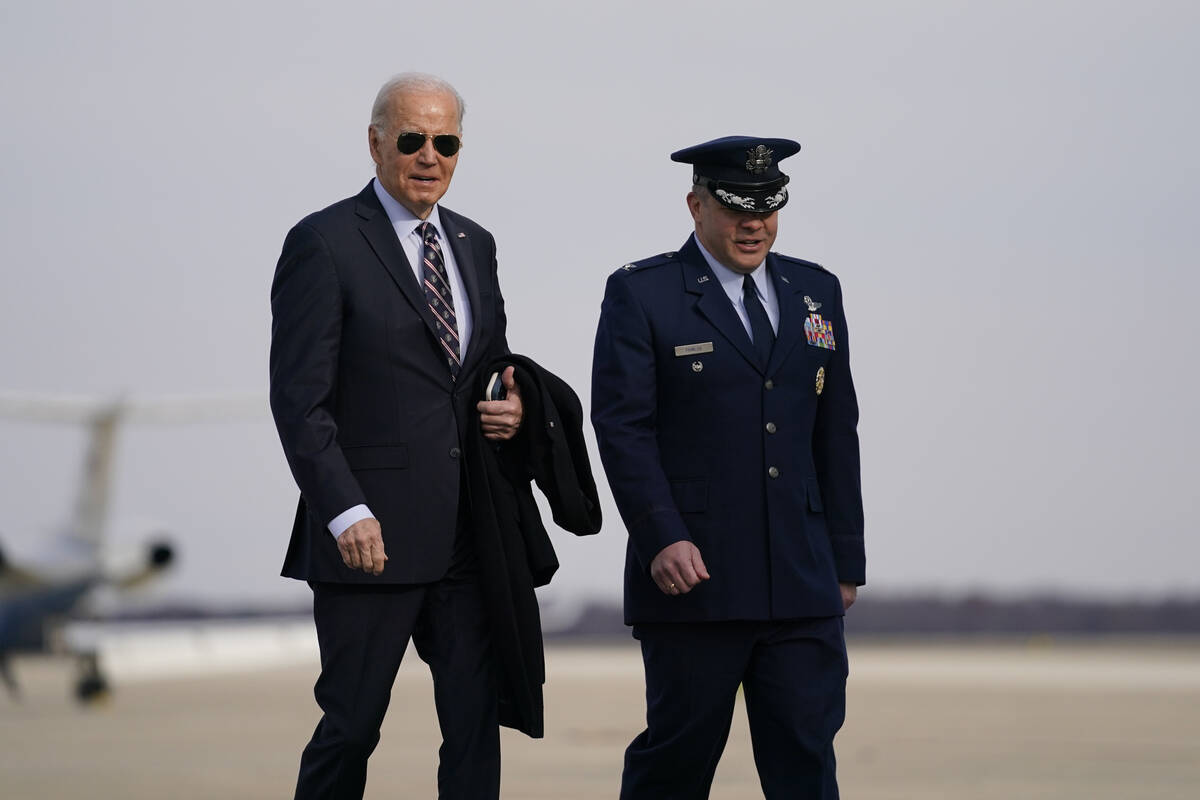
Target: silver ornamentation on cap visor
pixel 776 200
pixel 758 159
pixel 737 200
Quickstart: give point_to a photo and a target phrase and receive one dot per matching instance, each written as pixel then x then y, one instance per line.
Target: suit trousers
pixel 793 674
pixel 363 632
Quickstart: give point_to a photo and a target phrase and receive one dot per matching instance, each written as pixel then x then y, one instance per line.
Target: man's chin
pixel 426 192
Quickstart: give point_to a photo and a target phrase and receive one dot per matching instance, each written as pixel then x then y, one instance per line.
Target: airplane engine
pixel 157 556
pixel 160 554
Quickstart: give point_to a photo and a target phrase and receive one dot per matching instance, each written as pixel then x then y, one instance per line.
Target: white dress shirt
pixel 405 223
pixel 731 282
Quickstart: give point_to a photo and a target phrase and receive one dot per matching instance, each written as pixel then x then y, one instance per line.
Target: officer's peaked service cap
pixel 742 172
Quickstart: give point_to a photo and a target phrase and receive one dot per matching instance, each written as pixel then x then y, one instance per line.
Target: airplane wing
pixel 103 416
pixel 171 409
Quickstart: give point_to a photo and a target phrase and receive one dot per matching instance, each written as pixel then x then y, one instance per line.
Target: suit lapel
pixel 792 310
pixel 381 236
pixel 712 302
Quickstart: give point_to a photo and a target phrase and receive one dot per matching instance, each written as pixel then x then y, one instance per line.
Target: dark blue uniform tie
pixel 760 324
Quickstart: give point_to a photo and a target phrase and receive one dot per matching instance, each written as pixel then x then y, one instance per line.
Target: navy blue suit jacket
pixel 361 393
pixel 700 442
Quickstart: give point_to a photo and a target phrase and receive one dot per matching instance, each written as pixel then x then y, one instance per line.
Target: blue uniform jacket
pixel 756 467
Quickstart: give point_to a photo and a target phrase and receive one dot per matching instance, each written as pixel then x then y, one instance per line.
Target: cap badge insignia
pixel 819 332
pixel 758 159
pixel 820 380
pixel 808 301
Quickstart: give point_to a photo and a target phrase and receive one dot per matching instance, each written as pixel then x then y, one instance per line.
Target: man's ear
pixel 373 144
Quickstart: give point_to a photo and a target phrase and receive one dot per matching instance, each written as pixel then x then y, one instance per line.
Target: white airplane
pixel 35 601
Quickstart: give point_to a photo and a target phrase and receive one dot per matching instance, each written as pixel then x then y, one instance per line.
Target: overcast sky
pixel 1008 192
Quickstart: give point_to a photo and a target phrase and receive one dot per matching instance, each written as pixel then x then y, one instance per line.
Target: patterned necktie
pixel 760 324
pixel 437 292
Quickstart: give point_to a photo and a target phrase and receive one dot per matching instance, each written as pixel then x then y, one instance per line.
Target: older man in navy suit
pixel 727 423
pixel 386 307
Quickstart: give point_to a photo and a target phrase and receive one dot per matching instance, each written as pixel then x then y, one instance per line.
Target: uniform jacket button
pixel 771 427
pixel 770 384
pixel 773 472
pixel 455 452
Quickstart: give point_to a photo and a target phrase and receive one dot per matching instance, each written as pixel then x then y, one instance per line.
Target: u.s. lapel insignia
pixel 820 380
pixel 819 332
pixel 812 306
pixel 702 279
pixel 462 235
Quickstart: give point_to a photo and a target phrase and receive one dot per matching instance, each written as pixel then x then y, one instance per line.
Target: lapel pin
pixel 784 278
pixel 702 279
pixel 462 235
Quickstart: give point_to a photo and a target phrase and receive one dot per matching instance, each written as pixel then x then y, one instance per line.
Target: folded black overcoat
pixel 514 551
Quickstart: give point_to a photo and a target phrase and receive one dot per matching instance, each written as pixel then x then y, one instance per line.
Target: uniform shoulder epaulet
pixel 801 262
pixel 652 261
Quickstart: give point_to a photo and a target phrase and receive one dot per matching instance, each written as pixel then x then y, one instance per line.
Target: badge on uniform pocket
pixel 693 349
pixel 819 332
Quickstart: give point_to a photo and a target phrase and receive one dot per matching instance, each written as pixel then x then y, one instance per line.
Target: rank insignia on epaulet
pixel 800 261
pixel 652 261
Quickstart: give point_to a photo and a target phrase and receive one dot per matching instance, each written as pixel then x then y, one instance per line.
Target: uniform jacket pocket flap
pixel 814 496
pixel 690 495
pixel 384 456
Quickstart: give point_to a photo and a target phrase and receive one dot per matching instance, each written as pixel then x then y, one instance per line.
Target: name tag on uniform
pixel 693 349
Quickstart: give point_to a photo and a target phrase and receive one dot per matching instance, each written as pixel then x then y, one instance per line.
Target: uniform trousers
pixel 363 631
pixel 793 674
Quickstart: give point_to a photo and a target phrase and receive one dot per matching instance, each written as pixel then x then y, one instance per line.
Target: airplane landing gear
pixel 92 685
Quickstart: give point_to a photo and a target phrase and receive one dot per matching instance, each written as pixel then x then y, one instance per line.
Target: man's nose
pixel 427 154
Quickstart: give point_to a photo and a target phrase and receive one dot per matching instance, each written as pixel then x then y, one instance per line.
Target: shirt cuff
pixel 347 518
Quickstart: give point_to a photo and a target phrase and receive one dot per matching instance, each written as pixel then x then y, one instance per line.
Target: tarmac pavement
pixel 971 721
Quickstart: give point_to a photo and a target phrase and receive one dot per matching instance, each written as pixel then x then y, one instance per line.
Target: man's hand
pixel 849 594
pixel 361 546
pixel 500 419
pixel 678 568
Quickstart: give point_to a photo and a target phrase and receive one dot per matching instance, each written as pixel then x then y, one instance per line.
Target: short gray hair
pixel 411 82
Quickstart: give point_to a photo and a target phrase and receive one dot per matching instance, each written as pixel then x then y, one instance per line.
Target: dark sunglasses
pixel 446 144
